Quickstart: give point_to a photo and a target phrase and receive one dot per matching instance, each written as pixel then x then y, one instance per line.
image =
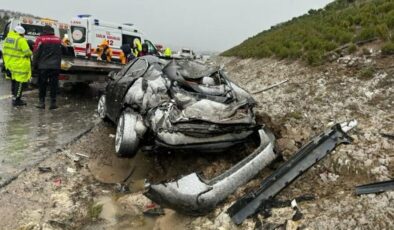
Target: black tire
pixel 126 140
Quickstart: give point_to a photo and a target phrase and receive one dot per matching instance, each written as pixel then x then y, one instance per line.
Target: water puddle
pixel 114 216
pixel 28 134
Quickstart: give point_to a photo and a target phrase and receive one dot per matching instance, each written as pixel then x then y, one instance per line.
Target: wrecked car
pixel 185 105
pixel 177 104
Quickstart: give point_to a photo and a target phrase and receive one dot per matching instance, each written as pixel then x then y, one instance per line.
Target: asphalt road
pixel 27 134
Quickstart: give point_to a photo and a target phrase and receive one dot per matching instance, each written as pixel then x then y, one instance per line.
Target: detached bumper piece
pixel 375 187
pixel 193 195
pixel 306 157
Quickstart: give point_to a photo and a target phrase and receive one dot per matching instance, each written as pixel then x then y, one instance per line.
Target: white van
pixel 87 33
pixel 33 27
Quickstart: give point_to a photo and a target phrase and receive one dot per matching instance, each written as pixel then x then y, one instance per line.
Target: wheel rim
pixel 119 134
pixel 101 110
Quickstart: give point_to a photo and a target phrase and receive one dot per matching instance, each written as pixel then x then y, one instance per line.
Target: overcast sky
pixel 204 25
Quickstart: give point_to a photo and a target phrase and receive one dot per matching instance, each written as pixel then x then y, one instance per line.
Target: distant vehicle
pixel 87 33
pixel 173 105
pixel 187 53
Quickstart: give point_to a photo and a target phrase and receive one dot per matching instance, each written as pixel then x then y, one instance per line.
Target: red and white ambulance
pixel 87 33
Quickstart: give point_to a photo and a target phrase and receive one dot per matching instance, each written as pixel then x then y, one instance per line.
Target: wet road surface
pixel 28 134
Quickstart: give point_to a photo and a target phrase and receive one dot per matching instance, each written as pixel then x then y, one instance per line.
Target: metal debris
pixel 194 195
pixel 305 158
pixel 44 169
pixel 378 187
pixel 270 87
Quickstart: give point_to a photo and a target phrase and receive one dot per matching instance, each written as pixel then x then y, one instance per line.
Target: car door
pixel 120 88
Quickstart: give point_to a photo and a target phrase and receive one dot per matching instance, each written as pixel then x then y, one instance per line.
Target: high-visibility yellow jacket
pixel 167 52
pixel 137 47
pixel 16 56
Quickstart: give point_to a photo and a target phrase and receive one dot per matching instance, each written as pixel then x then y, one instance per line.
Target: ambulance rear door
pixel 79 37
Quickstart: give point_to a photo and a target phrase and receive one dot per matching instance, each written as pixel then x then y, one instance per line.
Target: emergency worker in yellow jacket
pixel 137 47
pixel 17 61
pixel 167 52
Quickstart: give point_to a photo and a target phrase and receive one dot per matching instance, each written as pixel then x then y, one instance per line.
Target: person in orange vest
pixel 104 52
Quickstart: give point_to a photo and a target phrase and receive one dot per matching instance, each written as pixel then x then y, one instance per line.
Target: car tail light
pixel 63 77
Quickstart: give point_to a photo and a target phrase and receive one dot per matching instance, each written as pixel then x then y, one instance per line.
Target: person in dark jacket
pixel 145 50
pixel 127 54
pixel 47 60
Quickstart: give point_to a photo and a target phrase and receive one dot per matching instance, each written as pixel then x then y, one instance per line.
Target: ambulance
pixel 87 33
pixel 33 27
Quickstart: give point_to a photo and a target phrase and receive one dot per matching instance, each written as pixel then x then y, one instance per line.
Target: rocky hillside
pixel 340 27
pixel 87 197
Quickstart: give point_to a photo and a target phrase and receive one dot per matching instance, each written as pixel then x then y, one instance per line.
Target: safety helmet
pixel 20 30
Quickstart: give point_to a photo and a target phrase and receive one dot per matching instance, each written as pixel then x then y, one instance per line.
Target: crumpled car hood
pixel 186 101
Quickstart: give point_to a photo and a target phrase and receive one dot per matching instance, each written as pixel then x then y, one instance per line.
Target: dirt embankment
pixel 83 193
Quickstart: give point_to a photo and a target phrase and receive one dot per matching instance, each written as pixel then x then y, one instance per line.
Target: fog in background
pixel 204 25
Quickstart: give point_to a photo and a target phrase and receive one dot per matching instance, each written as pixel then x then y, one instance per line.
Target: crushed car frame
pixel 177 104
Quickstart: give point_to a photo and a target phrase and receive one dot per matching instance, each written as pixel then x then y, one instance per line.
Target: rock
pixel 135 204
pixel 328 177
pixel 46 226
pixel 71 170
pixel 369 95
pixel 368 163
pixel 286 145
pixel 30 226
pixel 63 207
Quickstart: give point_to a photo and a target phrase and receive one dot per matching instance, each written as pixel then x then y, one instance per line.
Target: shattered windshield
pixel 138 68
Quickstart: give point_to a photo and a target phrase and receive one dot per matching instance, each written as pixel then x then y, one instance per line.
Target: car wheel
pixel 102 107
pixel 126 140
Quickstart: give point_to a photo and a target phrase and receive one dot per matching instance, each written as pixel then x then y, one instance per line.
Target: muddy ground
pixel 83 189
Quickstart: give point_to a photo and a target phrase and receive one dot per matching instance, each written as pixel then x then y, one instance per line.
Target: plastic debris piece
pixel 57 182
pixel 44 169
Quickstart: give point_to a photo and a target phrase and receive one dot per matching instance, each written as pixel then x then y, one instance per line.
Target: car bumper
pixel 194 195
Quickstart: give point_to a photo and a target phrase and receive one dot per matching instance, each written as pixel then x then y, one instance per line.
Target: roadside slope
pixel 312 36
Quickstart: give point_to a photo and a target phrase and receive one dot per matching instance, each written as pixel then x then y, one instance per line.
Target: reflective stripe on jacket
pixel 16 56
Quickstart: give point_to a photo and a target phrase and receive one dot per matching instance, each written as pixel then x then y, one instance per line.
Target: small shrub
pixel 314 57
pixel 383 32
pixel 367 72
pixel 366 51
pixel 389 19
pixel 296 115
pixel 366 34
pixel 386 7
pixel 388 48
pixel 352 48
pixel 94 211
